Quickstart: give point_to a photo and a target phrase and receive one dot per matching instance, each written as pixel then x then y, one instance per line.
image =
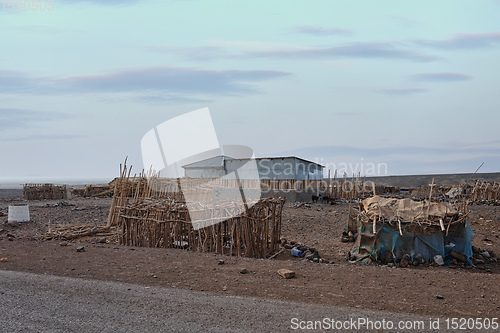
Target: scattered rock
pixel 391 264
pixel 404 261
pixel 485 254
pixel 288 246
pixel 10 239
pixel 4 259
pixel 439 296
pixel 80 249
pixel 419 258
pixel 458 256
pixel 475 249
pixel 244 271
pixel 11 235
pixel 102 240
pixel 63 244
pixel 438 260
pixel 286 273
pixel 224 288
pixel 283 241
pixel 221 262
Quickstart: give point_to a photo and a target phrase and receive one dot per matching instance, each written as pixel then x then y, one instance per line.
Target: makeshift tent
pixel 390 228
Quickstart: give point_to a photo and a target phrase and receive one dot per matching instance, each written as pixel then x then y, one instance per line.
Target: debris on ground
pixel 286 273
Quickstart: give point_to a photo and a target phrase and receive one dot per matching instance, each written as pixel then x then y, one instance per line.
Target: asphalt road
pixel 45 303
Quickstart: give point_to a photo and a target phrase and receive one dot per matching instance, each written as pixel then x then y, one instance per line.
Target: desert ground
pixel 447 291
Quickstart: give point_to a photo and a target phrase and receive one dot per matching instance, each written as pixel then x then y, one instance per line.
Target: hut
pixel 391 229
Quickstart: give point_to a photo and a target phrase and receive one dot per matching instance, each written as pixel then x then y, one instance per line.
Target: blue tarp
pixel 388 245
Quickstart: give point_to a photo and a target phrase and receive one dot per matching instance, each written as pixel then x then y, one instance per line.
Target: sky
pixel 354 85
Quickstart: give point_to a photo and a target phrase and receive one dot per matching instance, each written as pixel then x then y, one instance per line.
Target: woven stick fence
pixel 151 212
pixel 484 190
pixel 44 191
pixel 166 223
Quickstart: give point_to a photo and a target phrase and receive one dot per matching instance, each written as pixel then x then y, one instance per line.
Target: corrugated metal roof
pixel 213 162
pixel 217 161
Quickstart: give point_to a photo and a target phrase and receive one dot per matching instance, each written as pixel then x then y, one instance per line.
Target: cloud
pixel 440 77
pixel 172 82
pixel 378 50
pixel 19 82
pixel 171 99
pixel 42 137
pixel 192 53
pixel 464 41
pixel 20 118
pixel 321 31
pixel 402 91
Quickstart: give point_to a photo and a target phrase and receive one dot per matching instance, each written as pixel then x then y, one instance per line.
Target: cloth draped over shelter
pixel 389 228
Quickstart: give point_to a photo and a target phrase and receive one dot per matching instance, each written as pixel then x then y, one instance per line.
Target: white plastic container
pixel 19 214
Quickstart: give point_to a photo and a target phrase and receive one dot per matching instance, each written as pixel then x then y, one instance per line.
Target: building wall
pixel 273 168
pixel 204 173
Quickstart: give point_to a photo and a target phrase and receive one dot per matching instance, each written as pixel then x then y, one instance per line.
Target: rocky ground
pixel 445 291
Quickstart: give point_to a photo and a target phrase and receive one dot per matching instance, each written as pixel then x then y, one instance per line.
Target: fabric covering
pixel 406 209
pixel 388 245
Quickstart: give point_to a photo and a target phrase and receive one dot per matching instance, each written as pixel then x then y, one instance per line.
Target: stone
pixel 80 249
pixel 11 235
pixel 391 264
pixel 485 254
pixel 316 255
pixel 288 246
pixel 63 244
pixel 438 259
pixel 221 262
pixel 439 297
pixel 10 239
pixel 405 261
pixel 102 240
pixel 4 259
pixel 316 259
pixel 244 271
pixel 458 256
pixel 286 273
pixel 475 249
pixel 419 258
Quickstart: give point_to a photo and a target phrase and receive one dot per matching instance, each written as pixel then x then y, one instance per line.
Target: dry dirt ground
pixel 466 292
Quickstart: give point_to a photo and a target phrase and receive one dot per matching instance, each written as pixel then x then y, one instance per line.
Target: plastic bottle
pixel 296 252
